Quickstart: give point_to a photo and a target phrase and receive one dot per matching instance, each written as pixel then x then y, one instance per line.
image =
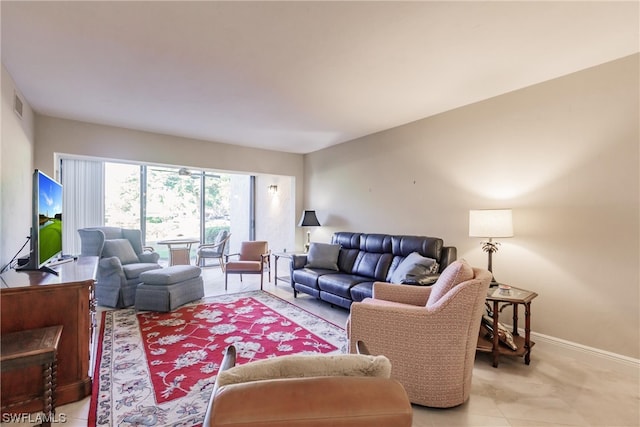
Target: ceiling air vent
pixel 17 105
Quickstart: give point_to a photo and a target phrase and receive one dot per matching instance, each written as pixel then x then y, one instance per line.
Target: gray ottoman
pixel 169 288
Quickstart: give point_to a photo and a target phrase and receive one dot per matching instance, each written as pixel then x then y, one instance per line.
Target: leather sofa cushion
pixel 323 255
pixel 430 247
pixel 361 291
pixel 372 265
pixel 377 243
pixel 340 283
pixel 347 259
pixel 309 277
pixel 346 239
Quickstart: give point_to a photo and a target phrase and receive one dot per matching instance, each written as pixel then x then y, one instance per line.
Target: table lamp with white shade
pixel 490 223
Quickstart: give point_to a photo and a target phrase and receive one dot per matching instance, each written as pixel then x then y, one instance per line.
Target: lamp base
pixel 306 245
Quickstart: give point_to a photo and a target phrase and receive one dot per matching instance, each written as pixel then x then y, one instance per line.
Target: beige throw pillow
pixel 297 366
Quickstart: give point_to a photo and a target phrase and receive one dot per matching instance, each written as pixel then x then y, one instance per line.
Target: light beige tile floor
pixel 554 390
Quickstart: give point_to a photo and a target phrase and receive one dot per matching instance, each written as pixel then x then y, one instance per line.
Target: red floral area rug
pixel 158 369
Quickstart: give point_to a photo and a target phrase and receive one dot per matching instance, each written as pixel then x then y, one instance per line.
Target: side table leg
pixel 495 351
pixel 527 332
pixel 514 307
pixel 275 269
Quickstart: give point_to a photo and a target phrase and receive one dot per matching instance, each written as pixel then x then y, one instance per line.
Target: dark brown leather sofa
pixel 363 260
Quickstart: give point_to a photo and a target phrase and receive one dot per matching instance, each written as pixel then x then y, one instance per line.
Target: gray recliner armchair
pixel 122 260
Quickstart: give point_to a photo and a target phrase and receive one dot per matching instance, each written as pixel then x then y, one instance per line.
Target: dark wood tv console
pixel 35 299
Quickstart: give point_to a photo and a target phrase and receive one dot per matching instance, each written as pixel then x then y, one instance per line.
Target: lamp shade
pixel 309 219
pixel 490 223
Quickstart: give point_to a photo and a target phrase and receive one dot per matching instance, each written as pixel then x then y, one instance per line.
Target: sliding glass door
pixel 176 203
pixel 172 205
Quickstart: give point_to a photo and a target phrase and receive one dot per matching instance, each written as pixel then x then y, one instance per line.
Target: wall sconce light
pixel 273 189
pixel 491 223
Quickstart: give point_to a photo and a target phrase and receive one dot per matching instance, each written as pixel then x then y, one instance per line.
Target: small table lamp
pixel 309 219
pixel 490 223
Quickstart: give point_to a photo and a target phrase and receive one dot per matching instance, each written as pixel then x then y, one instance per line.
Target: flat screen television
pixel 46 227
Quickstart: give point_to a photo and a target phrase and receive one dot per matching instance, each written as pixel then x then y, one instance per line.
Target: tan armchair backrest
pixel 324 390
pixel 253 250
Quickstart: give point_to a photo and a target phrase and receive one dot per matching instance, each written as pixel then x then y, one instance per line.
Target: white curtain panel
pixel 83 199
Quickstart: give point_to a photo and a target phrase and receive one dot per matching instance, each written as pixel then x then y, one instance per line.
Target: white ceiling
pixel 295 76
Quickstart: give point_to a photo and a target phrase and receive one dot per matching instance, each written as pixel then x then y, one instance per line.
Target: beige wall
pixel 55 135
pixel 16 160
pixel 563 154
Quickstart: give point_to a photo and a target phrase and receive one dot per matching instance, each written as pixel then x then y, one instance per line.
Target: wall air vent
pixel 17 105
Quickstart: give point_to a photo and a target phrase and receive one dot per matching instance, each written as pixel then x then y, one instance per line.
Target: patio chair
pixel 213 250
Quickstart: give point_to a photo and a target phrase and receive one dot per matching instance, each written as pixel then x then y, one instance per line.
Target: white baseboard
pixel 586 354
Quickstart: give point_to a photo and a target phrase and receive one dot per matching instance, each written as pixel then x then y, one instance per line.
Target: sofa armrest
pixel 405 294
pixel 298 261
pixel 449 254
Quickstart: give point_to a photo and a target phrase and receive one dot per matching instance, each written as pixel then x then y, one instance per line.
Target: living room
pixel 562 153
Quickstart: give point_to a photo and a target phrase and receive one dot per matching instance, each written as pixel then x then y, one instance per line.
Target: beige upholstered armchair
pixel 308 390
pixel 429 333
pixel 254 258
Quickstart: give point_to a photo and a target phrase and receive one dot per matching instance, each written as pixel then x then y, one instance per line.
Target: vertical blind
pixel 83 199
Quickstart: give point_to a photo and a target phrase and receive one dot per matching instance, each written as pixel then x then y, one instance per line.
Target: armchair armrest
pixel 210 245
pixel 405 294
pixel 412 323
pixel 416 324
pixel 227 256
pixel 221 243
pixel 110 263
pixel 110 270
pixel 149 257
